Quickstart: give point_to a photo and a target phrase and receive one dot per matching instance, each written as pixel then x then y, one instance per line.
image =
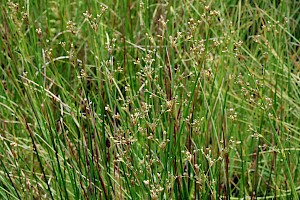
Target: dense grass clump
pixel 149 99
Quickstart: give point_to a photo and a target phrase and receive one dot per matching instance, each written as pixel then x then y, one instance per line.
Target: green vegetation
pixel 145 99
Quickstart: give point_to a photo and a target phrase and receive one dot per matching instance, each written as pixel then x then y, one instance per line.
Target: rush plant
pixel 149 99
